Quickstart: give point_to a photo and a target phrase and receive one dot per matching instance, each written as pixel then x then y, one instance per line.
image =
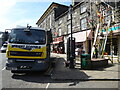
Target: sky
pixel 22 12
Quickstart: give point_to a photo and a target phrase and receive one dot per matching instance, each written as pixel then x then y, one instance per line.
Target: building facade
pixel 85 17
pixel 47 21
pixel 80 28
pixel 111 11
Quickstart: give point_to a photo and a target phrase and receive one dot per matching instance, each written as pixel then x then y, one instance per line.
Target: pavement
pixel 110 72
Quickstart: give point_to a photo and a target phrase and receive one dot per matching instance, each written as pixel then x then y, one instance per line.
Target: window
pixel 107 18
pixel 69 28
pixel 83 8
pixel 83 24
pixel 50 21
pixel 35 36
pixel 68 16
pixel 60 31
pixel 60 21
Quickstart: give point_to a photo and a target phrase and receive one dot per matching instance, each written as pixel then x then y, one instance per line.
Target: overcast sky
pixel 23 12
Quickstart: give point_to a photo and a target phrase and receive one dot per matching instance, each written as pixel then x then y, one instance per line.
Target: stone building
pixel 80 28
pixel 85 17
pixel 61 25
pixel 102 12
pixel 111 11
pixel 47 21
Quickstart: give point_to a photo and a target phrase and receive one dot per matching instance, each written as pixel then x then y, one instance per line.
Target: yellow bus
pixel 28 49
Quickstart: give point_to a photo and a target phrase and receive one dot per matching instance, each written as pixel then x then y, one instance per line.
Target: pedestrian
pixel 96 51
pixel 80 51
pixel 76 51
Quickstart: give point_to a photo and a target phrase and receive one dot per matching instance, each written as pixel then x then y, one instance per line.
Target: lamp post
pixel 71 48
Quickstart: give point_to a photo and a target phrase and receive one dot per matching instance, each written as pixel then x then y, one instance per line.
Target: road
pixel 37 80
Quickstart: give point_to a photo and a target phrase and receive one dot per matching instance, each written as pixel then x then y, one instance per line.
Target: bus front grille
pixel 20 53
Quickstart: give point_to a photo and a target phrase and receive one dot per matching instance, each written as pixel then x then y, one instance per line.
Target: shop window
pixel 83 23
pixel 114 46
pixel 107 49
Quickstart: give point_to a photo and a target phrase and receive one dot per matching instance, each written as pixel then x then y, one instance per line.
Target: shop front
pixel 82 40
pixel 113 42
pixel 58 45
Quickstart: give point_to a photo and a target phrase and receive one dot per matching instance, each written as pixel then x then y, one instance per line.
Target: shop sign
pixel 55 34
pixel 60 39
pixel 112 28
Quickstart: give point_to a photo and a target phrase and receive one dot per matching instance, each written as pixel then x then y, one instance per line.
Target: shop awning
pixel 81 36
pixel 57 42
pixel 117 32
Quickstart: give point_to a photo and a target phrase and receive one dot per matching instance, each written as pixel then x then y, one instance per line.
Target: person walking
pixel 96 51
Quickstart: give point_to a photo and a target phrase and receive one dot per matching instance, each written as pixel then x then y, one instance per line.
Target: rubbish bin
pixel 86 61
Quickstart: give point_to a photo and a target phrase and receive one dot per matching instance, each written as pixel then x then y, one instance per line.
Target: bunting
pixel 101 16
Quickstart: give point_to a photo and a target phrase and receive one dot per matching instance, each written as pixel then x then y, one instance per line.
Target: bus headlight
pixel 10 61
pixel 6 61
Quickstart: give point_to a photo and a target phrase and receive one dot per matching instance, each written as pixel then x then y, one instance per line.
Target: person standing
pixel 76 51
pixel 96 51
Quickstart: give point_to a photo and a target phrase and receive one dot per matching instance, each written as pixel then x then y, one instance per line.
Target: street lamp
pixel 71 48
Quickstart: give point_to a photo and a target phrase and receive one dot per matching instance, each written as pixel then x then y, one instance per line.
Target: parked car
pixel 3 48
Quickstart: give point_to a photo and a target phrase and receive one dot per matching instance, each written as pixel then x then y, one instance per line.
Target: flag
pixel 90 22
pixel 101 17
pixel 98 14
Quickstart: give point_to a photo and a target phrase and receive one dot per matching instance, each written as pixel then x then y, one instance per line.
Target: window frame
pixel 85 23
pixel 82 10
pixel 68 17
pixel 60 21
